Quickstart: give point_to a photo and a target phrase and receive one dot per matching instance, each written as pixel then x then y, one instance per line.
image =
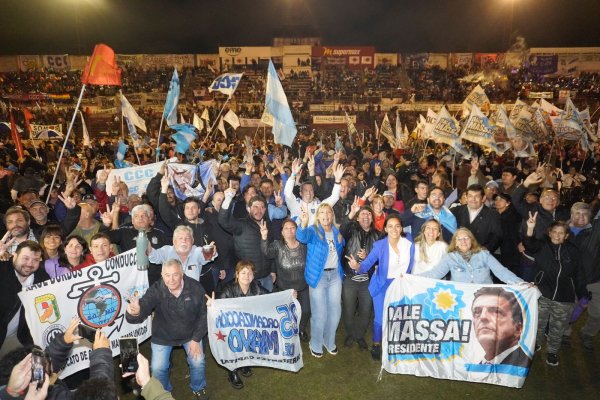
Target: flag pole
pixel 157 150
pixel 210 131
pixel 65 143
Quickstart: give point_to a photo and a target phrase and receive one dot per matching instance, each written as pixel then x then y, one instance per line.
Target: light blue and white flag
pixel 446 130
pixel 170 111
pixel 129 112
pixel 284 127
pixel 338 143
pixel 184 137
pixel 226 83
pixel 120 156
pixel 477 129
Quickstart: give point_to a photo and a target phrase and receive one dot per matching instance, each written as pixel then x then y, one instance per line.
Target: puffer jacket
pixel 560 276
pixel 233 290
pixel 317 252
pixel 246 239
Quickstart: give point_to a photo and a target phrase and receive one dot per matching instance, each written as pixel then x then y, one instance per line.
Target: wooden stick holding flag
pixel 101 69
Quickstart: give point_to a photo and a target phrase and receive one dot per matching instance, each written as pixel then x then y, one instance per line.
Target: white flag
pixel 476 97
pixel 226 83
pixel 232 119
pixel 205 116
pixel 86 135
pixel 221 127
pixel 129 112
pixel 198 123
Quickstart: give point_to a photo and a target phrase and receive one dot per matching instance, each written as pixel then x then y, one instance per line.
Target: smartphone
pixel 39 366
pixel 129 351
pixel 87 332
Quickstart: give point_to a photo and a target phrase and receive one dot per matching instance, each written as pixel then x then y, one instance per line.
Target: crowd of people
pixel 337 224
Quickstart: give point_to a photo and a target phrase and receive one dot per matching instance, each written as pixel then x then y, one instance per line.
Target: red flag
pixel 28 117
pixel 102 68
pixel 15 137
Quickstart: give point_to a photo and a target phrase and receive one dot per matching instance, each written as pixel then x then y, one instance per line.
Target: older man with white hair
pixel 191 257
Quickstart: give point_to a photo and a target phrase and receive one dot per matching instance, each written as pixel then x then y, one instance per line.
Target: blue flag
pixel 184 137
pixel 170 112
pixel 284 127
pixel 120 155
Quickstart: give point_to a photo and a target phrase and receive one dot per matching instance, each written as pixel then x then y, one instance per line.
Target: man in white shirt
pixel 307 192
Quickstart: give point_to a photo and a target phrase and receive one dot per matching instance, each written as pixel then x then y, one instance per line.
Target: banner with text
pixel 332 119
pixel 136 178
pixel 256 331
pixel 97 295
pixel 459 331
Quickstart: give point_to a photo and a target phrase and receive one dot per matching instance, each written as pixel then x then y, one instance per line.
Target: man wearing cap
pixel 39 214
pixel 388 203
pixel 490 191
pixel 88 225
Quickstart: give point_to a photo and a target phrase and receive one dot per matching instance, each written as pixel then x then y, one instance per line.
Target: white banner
pixel 36 128
pixel 226 83
pixel 97 295
pixel 59 61
pixel 459 331
pixel 252 123
pixel 136 178
pixel 540 95
pixel 256 331
pixel 333 119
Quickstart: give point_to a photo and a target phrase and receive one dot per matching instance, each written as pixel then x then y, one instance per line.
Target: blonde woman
pixel 468 262
pixel 324 275
pixel 429 247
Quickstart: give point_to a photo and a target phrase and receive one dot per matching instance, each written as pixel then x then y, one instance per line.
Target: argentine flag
pixel 284 127
pixel 170 112
pixel 184 137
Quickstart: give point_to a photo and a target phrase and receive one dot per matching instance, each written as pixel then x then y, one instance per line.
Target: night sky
pixel 198 26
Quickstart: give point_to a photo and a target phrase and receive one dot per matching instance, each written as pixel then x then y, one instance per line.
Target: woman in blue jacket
pixel 395 256
pixel 468 262
pixel 324 274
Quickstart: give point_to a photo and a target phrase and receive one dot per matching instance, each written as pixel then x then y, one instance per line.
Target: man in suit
pixel 21 271
pixel 498 325
pixel 481 220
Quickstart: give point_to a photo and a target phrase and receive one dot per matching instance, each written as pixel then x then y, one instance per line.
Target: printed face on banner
pixel 459 331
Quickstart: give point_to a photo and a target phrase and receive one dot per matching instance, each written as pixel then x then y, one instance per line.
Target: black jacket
pixel 289 263
pixel 356 239
pixel 233 290
pixel 588 243
pixel 510 221
pixel 177 320
pixel 544 218
pixel 486 226
pixel 246 239
pixel 560 276
pixel 10 304
pixel 101 365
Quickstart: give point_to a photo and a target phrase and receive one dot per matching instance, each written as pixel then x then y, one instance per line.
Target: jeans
pixel 357 300
pixel 161 364
pixel 266 282
pixel 326 311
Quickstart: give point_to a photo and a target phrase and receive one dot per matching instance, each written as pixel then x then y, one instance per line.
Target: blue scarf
pixel 445 217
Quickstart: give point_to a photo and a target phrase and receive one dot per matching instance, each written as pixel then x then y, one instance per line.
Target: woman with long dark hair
pixel 55 260
pixel 290 259
pixel 394 255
